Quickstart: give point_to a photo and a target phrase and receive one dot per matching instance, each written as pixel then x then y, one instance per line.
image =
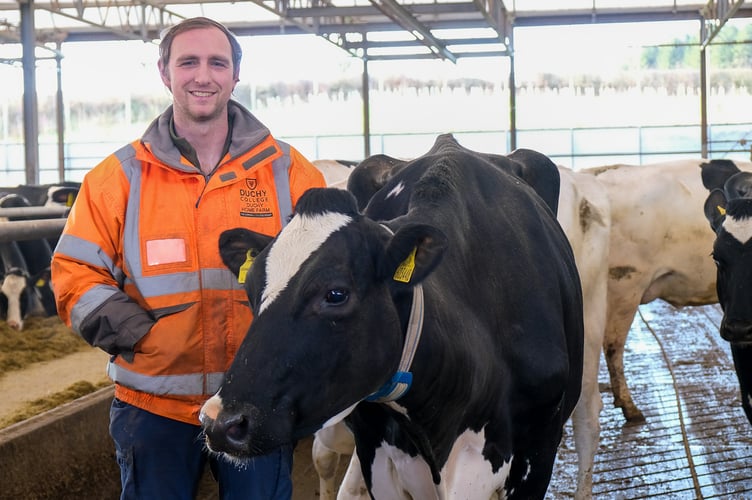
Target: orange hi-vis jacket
pixel 137 270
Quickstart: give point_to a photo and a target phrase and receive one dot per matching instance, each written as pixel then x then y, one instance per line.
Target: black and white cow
pixel 17 297
pixel 728 208
pixel 26 288
pixel 44 195
pixel 583 212
pixel 37 254
pixel 450 337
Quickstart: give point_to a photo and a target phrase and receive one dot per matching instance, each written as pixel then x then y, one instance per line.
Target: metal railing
pixel 574 147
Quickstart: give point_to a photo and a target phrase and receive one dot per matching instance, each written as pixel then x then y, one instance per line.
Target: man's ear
pixel 163 73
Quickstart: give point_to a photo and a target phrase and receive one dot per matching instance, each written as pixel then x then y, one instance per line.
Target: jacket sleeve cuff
pixel 117 325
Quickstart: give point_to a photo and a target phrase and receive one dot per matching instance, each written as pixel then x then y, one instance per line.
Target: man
pixel 137 271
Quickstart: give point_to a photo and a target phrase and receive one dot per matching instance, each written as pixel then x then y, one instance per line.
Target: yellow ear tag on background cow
pixel 721 210
pixel 405 270
pixel 243 271
pixel 70 200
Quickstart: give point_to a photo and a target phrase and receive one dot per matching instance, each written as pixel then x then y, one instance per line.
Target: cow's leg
pixel 353 486
pixel 325 462
pixel 743 365
pixel 620 315
pixel 586 416
pixel 329 444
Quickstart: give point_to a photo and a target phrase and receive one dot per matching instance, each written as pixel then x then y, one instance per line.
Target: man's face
pixel 200 74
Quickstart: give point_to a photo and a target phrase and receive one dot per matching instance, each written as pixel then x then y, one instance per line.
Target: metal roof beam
pixel 405 19
pixel 716 14
pixel 135 21
pixel 496 15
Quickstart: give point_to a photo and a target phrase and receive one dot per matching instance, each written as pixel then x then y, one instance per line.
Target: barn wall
pixel 64 453
pixel 67 454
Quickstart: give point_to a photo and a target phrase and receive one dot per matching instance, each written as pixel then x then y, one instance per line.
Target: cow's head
pixel 728 208
pixel 15 297
pixel 327 330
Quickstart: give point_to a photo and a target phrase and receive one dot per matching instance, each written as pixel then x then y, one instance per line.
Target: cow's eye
pixel 718 262
pixel 337 296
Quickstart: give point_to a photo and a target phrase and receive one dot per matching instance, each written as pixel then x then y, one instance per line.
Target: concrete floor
pixel 696 442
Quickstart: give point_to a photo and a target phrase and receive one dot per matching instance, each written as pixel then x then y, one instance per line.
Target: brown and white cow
pixel 659 250
pixel 449 337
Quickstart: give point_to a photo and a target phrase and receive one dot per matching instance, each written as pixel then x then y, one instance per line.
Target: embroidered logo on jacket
pixel 254 201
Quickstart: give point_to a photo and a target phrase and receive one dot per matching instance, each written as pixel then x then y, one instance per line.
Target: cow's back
pixel 659 238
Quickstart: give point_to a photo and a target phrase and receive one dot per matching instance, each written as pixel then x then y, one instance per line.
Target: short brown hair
pixel 169 34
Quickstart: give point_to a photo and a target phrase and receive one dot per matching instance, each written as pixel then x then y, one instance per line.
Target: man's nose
pixel 202 74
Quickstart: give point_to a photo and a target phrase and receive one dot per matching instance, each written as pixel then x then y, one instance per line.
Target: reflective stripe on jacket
pixel 137 269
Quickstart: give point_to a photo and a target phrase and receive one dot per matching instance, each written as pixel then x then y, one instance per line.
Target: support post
pixel 31 120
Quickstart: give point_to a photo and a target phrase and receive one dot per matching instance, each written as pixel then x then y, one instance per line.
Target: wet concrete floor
pixel 696 442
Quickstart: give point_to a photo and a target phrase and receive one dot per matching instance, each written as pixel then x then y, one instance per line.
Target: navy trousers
pixel 164 459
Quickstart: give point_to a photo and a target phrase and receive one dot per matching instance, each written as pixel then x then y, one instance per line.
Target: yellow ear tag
pixel 40 283
pixel 721 210
pixel 405 270
pixel 243 271
pixel 69 201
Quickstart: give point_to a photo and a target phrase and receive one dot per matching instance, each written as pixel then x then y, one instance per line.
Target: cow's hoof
pixel 633 415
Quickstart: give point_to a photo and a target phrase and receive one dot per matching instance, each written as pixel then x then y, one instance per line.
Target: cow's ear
pixel 236 245
pixel 413 252
pixel 715 208
pixel 716 172
pixel 739 186
pixel 542 174
pixel 370 175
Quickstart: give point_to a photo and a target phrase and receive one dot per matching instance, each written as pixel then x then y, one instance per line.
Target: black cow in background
pixel 45 195
pixel 26 288
pixel 37 255
pixel 59 194
pixel 728 208
pixel 18 298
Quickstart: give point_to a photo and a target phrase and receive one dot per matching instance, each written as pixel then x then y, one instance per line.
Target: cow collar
pixel 401 381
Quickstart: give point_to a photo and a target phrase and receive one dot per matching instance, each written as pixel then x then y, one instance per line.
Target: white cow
pixel 584 215
pixel 660 249
pixel 336 172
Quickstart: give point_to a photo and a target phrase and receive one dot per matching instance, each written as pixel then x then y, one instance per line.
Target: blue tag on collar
pixel 388 388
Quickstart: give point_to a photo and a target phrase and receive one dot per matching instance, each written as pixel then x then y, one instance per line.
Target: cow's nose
pixel 15 325
pixel 235 428
pixel 228 433
pixel 736 330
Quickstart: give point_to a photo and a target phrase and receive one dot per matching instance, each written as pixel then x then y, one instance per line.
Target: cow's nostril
pixel 237 428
